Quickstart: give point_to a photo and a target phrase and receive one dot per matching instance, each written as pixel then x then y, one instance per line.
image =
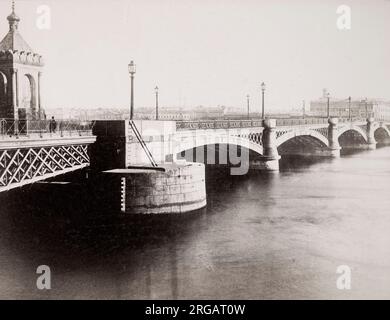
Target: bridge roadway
pixel 29 152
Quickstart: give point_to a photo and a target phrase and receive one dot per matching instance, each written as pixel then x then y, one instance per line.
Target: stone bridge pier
pixel 134 162
pixel 334 147
pixel 371 128
pixel 269 161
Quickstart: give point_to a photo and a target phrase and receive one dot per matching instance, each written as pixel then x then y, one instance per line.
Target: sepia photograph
pixel 177 150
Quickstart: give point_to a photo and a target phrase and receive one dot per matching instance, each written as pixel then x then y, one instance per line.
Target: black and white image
pixel 182 149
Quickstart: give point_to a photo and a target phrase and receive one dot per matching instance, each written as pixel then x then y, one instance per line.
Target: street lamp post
pixel 303 109
pixel 132 69
pixel 349 108
pixel 365 102
pixel 156 91
pixel 328 110
pixel 262 100
pixel 247 104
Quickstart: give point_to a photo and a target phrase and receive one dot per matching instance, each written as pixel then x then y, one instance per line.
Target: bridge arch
pixel 353 129
pixel 382 134
pixel 352 136
pixel 213 139
pixel 29 98
pixel 312 135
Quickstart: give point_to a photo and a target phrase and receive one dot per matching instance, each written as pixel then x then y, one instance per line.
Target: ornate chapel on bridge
pixel 20 76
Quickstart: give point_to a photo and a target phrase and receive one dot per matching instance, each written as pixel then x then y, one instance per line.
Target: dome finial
pixel 13 19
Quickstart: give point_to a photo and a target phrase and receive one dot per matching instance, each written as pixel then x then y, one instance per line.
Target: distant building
pixel 169 113
pixel 360 107
pixel 68 113
pixel 163 114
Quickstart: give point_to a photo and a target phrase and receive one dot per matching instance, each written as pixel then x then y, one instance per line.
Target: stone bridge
pixel 145 159
pixel 30 152
pixel 265 140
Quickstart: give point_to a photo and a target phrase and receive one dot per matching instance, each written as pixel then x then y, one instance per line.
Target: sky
pixel 207 52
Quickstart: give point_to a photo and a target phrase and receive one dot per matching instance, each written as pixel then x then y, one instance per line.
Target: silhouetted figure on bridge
pixel 52 125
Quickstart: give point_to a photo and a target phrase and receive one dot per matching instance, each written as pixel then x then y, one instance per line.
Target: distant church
pixel 20 76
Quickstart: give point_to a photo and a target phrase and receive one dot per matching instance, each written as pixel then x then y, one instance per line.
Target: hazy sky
pixel 207 52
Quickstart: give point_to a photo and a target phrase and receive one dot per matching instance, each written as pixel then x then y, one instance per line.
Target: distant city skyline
pixel 210 53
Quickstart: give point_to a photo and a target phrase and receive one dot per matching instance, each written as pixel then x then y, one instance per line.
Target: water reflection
pixel 261 236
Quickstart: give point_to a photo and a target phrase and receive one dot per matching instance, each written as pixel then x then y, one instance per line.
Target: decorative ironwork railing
pixel 217 124
pixel 313 121
pixel 12 128
pixel 300 122
pixel 21 166
pixel 225 124
pixel 357 119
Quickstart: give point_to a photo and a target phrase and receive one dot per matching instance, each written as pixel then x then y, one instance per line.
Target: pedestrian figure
pixel 52 125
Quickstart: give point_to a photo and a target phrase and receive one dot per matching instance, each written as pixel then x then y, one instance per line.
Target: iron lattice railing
pixel 226 124
pixel 217 124
pixel 11 127
pixel 23 166
pixel 300 122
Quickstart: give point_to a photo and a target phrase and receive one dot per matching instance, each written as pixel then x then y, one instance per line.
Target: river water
pixel 262 236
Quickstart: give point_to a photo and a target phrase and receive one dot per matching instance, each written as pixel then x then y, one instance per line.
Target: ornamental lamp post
pixel 247 104
pixel 156 92
pixel 328 110
pixel 349 108
pixel 132 70
pixel 262 100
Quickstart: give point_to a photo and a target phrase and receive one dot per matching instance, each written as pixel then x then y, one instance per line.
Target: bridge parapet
pixel 217 124
pixel 226 124
pixel 301 122
pixel 11 129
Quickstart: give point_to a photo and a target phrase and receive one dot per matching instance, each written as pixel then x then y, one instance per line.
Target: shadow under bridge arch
pixel 217 150
pixel 352 136
pixel 303 142
pixel 382 135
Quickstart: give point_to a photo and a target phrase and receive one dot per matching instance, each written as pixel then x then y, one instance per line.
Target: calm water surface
pixel 261 236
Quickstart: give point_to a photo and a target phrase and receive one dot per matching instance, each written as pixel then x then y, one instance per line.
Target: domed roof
pixel 13 41
pixel 13 17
